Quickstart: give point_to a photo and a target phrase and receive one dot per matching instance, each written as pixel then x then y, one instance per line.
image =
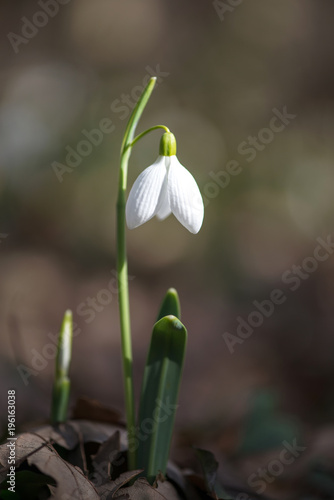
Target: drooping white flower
pixel 163 188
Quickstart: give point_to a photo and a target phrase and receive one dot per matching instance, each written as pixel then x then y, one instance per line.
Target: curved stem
pixel 122 274
pixel 166 129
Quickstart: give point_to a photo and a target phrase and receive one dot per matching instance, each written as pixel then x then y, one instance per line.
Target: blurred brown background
pixel 223 74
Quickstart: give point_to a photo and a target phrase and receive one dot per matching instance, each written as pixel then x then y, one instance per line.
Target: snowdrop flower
pixel 163 188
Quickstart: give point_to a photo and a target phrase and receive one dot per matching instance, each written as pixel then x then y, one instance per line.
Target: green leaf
pixel 159 395
pixel 170 305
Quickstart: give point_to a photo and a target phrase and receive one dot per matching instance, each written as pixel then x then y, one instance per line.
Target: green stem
pixel 122 272
pixel 166 129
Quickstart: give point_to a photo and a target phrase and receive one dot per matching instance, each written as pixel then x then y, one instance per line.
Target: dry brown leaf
pixel 109 490
pixel 98 432
pixel 71 483
pixel 141 490
pixel 63 434
pixel 69 434
pixel 167 490
pixel 108 450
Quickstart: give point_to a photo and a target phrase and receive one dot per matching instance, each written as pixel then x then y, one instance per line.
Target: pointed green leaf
pixel 170 305
pixel 159 395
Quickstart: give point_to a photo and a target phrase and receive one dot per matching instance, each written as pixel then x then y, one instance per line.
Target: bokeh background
pixel 222 72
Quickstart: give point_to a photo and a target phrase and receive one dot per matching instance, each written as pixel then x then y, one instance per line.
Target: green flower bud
pixel 167 145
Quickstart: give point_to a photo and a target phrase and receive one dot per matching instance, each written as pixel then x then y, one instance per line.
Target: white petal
pixel 163 209
pixel 184 196
pixel 144 196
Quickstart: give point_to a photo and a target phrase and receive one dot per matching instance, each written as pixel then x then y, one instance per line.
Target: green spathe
pixel 167 145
